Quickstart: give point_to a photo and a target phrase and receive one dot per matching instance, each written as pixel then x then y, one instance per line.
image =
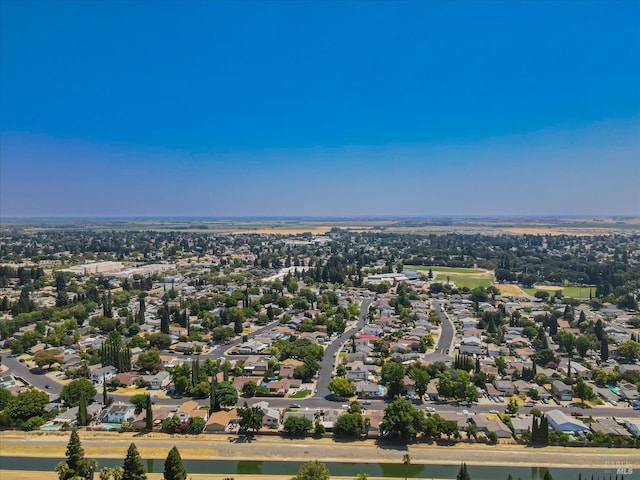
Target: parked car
pixel 529 404
pixel 493 411
pixel 576 413
pixel 295 405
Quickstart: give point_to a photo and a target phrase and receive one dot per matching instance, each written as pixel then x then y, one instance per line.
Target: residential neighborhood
pixel 208 333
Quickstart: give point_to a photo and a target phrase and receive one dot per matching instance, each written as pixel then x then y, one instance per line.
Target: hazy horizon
pixel 319 110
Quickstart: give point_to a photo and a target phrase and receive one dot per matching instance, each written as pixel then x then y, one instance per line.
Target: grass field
pixel 446 269
pixel 567 291
pixel 462 281
pixel 462 277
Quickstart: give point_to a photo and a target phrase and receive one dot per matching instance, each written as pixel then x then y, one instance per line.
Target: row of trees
pixel 78 467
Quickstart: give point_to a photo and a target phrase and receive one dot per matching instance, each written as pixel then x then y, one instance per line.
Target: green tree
pixel 148 420
pixel 196 425
pixel 133 468
pixel 629 350
pixel 139 401
pixel 76 466
pixel 393 377
pixel 513 406
pixel 463 473
pixel 226 394
pixel 421 379
pixel 341 387
pixel 173 467
pixel 349 425
pixel 402 421
pixel 250 417
pixel 297 426
pixel 108 473
pixel 149 361
pixel 5 396
pixel 312 471
pixel 46 358
pixel 604 349
pixel 73 390
pixel 83 417
pixel 583 391
pixel 584 343
pixel 27 404
pixel 249 388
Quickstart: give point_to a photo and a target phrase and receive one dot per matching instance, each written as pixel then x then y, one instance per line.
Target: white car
pixel 493 411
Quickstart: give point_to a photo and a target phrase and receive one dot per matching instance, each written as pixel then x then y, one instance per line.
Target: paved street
pixel 442 351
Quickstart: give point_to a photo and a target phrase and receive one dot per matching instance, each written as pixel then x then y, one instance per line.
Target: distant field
pixel 462 277
pixel 446 269
pixel 511 290
pixel 573 292
pixel 462 281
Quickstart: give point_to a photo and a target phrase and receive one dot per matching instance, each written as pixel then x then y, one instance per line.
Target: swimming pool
pixel 110 426
pixel 51 426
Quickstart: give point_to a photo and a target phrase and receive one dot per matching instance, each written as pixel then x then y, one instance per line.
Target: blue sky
pixel 319 108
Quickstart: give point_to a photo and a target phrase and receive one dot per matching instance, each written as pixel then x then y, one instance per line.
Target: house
pixel 633 426
pixel 608 426
pixel 628 391
pixel 251 348
pixel 432 391
pixel 491 424
pixel 160 413
pixel 286 371
pixel 561 390
pixel 505 387
pixel 470 349
pixel 103 373
pixel 127 379
pixel 185 347
pixel 158 381
pixel 375 417
pixel 521 424
pixel 558 420
pixel 70 416
pixel 221 421
pixel 119 413
pixel 281 387
pixel 367 389
pixel 191 408
pixel 271 416
pixel 8 381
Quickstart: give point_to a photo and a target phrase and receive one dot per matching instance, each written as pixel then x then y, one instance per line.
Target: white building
pixel 563 423
pixel 119 413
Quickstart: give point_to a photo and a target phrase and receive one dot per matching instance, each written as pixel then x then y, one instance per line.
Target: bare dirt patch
pixel 513 290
